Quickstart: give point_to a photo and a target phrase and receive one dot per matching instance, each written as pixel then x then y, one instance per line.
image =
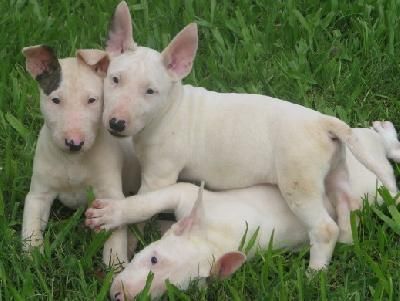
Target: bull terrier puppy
pixel 188 250
pixel 382 143
pixel 74 150
pixel 229 140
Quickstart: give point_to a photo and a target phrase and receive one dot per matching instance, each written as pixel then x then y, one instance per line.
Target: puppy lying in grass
pixel 206 237
pixel 229 140
pixel 74 150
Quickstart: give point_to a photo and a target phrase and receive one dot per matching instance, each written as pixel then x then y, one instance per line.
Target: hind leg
pixel 304 192
pixel 339 192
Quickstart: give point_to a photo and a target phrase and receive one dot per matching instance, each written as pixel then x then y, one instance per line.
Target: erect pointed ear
pixel 120 31
pixel 96 59
pixel 43 65
pixel 179 55
pixel 193 221
pixel 227 264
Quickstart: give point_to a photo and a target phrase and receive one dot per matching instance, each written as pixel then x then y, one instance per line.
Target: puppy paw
pixel 345 237
pixel 385 128
pixel 104 215
pixel 388 134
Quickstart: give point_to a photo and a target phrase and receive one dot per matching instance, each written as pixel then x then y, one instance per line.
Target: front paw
pixel 32 241
pixel 104 215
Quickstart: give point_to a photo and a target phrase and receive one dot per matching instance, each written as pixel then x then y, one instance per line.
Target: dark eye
pixel 153 260
pixel 56 100
pixel 150 91
pixel 115 80
pixel 91 100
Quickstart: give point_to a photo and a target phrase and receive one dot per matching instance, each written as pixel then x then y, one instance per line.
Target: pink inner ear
pixel 96 59
pixel 38 62
pixel 183 225
pixel 120 33
pixel 229 263
pixel 102 66
pixel 180 53
pixel 180 68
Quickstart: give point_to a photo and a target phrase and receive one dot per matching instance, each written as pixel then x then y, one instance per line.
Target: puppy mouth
pixel 116 134
pixel 73 151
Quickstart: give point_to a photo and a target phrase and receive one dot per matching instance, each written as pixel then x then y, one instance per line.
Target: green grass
pixel 340 57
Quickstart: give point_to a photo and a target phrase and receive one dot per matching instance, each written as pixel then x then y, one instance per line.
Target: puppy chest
pixel 70 177
pixel 77 176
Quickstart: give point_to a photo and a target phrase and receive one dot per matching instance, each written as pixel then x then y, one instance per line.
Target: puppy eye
pixel 115 79
pixel 91 100
pixel 56 100
pixel 154 260
pixel 150 91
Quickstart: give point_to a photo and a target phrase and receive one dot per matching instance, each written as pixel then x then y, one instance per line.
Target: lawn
pixel 339 57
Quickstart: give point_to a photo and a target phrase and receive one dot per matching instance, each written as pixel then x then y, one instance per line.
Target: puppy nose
pixel 119 296
pixel 74 146
pixel 117 125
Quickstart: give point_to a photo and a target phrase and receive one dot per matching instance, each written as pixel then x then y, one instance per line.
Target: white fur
pixel 190 256
pixel 228 140
pixel 58 173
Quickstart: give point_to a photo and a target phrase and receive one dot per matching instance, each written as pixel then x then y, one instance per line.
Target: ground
pixel 339 57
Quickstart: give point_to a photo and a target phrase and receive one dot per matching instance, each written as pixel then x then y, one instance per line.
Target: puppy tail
pixel 339 129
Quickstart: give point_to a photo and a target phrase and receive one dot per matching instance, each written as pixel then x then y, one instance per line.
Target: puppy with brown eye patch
pixel 74 150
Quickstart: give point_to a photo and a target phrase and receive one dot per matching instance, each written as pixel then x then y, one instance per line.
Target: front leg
pixel 110 214
pixel 36 214
pixel 157 174
pixel 116 246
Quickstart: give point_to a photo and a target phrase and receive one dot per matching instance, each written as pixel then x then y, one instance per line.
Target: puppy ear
pixel 120 31
pixel 96 59
pixel 43 65
pixel 179 55
pixel 195 220
pixel 227 264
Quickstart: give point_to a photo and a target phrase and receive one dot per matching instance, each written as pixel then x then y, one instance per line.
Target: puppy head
pixel 183 254
pixel 71 94
pixel 140 80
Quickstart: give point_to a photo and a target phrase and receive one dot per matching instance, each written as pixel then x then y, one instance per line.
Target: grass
pixel 339 57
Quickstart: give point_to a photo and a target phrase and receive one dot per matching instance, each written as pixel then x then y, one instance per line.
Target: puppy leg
pixel 339 192
pixel 36 214
pixel 157 174
pixel 109 214
pixel 116 246
pixel 301 182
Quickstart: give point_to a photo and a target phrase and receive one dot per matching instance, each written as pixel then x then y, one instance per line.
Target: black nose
pixel 117 125
pixel 72 146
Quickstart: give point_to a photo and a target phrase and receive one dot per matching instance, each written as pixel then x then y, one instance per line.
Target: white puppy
pixel 73 150
pixel 188 250
pixel 228 140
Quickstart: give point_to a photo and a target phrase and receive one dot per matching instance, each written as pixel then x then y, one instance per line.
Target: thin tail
pixel 345 134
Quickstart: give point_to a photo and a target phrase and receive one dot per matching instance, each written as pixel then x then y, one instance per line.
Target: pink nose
pixel 74 140
pixel 119 296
